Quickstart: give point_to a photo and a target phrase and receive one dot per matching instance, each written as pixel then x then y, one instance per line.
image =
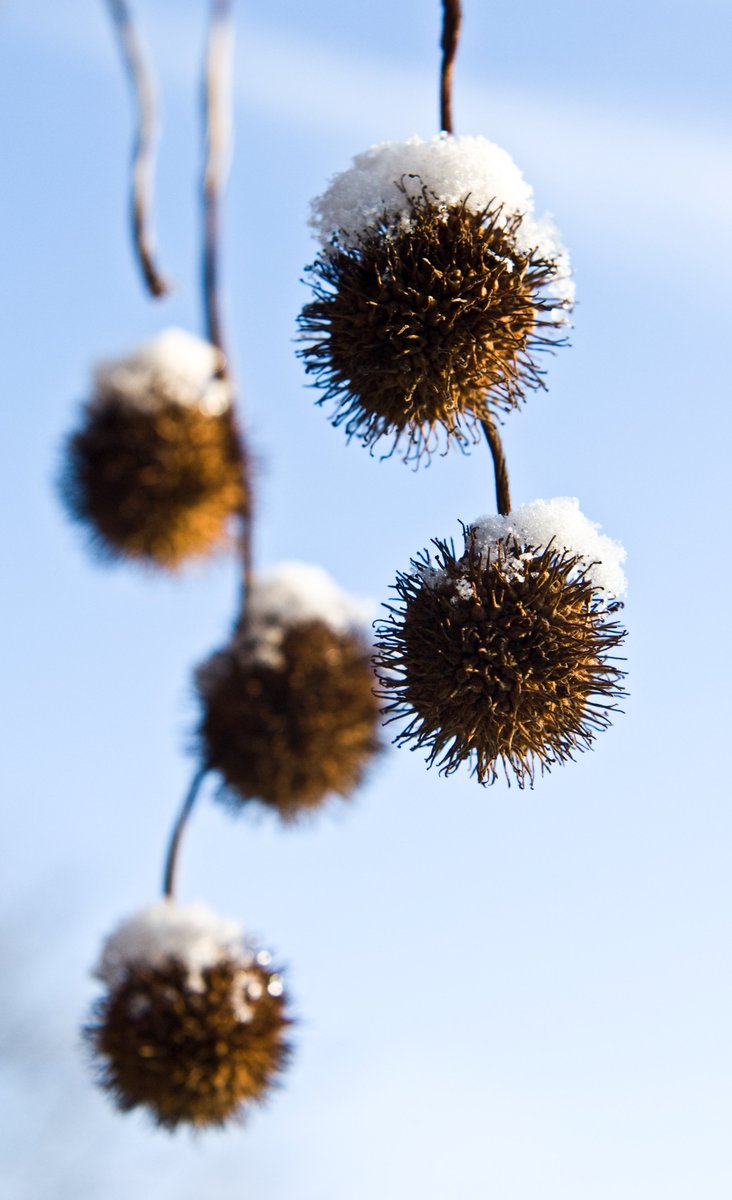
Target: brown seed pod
pixel 156 470
pixel 293 727
pixel 192 1045
pixel 500 656
pixel 429 323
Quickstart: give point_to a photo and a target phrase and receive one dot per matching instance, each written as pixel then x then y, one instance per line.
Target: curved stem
pixel 217 122
pixel 143 151
pixel 217 135
pixel 451 20
pixel 503 492
pixel 175 837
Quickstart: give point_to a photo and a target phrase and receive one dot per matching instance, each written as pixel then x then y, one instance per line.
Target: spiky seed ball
pixel 503 655
pixel 291 735
pixel 430 326
pixel 289 714
pixel 156 469
pixel 193 1025
pixel 434 291
pixel 160 487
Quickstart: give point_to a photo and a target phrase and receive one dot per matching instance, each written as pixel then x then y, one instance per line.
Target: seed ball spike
pixel 500 657
pixel 193 1044
pixel 430 316
pixel 156 470
pixel 289 730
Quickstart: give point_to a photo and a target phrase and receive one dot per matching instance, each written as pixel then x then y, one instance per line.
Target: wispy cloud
pixel 644 169
pixel 645 174
pixel 645 177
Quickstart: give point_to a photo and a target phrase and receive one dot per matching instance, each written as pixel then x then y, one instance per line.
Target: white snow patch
pixel 295 594
pixel 191 934
pixel 175 366
pixel 464 589
pixel 560 522
pixel 472 170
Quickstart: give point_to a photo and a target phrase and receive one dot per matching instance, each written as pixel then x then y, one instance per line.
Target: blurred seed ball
pixel 193 1025
pixel 435 290
pixel 156 469
pixel 504 655
pixel 289 715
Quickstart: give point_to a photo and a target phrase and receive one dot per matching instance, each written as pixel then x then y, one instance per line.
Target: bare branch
pixel 451 20
pixel 217 108
pixel 143 151
pixel 218 138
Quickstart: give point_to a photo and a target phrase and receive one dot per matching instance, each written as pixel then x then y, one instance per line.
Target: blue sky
pixel 499 993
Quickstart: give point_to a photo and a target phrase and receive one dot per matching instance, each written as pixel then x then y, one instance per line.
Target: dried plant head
pixel 193 1025
pixel 503 655
pixel 156 469
pixel 289 716
pixel 435 292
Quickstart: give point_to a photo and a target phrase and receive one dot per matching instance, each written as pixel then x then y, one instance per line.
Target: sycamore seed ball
pixel 289 716
pixel 434 291
pixel 156 470
pixel 193 1026
pixel 504 656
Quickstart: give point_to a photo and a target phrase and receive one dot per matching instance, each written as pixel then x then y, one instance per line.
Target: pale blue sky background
pixel 501 994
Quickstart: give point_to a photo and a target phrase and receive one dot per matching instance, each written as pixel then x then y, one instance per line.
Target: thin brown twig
pixel 451 21
pixel 217 121
pixel 500 469
pixel 171 857
pixel 143 150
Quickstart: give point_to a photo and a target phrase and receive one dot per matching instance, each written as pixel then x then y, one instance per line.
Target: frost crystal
pixel 176 366
pixel 191 934
pixel 454 170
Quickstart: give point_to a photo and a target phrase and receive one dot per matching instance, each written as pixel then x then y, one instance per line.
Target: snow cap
pixel 175 366
pixel 294 594
pixel 560 522
pixel 191 934
pixel 456 170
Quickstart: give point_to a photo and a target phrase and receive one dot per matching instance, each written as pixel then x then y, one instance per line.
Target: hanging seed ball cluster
pixel 156 468
pixel 504 654
pixel 434 291
pixel 192 1026
pixel 289 713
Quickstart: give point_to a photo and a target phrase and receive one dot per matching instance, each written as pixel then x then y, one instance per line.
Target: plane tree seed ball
pixel 434 292
pixel 193 1025
pixel 156 469
pixel 503 656
pixel 289 715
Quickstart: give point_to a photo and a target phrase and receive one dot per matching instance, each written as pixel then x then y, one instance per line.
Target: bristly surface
pixel 291 732
pixel 191 1055
pixel 503 659
pixel 430 324
pixel 160 485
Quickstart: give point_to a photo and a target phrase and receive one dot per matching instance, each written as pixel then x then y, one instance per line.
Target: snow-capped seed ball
pixel 504 655
pixel 434 290
pixel 156 468
pixel 193 1025
pixel 289 714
